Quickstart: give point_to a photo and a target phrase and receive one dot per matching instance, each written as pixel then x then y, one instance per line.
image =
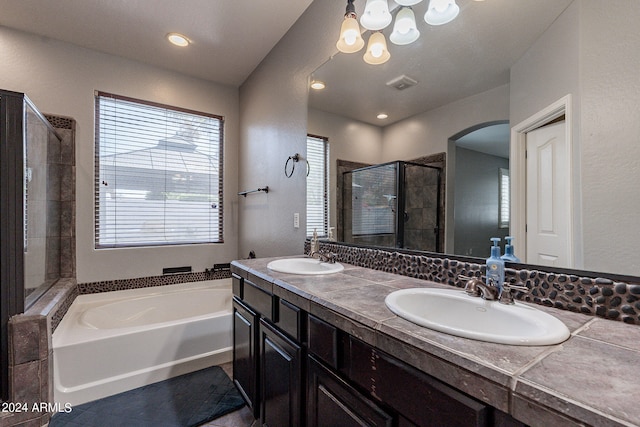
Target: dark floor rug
pixel 188 400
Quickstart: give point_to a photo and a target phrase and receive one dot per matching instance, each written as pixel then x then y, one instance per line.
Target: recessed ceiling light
pixel 317 85
pixel 382 116
pixel 178 39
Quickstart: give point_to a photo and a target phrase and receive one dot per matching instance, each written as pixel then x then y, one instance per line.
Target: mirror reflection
pixel 483 83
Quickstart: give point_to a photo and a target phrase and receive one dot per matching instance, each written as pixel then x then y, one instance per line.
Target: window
pixel 505 188
pixel 158 172
pixel 317 183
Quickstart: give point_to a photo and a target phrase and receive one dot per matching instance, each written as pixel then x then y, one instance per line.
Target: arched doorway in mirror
pixel 477 192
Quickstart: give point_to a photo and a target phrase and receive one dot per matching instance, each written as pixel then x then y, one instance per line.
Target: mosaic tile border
pixel 147 282
pixel 60 122
pixel 609 299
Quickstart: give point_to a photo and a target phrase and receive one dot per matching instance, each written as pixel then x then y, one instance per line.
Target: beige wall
pixel 61 78
pixel 428 132
pixel 610 137
pixel 273 111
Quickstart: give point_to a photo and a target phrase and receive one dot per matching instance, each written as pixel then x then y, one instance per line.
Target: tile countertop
pixel 593 378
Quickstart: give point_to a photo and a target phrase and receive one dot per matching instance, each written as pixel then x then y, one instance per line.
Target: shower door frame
pixel 11 221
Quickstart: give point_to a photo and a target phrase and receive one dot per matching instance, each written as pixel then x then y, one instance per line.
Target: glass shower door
pixel 371 219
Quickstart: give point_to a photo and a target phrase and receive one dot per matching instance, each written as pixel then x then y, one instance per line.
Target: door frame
pixel 517 166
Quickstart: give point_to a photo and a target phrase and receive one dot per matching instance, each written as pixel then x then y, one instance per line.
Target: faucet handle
pixel 506 296
pixel 472 286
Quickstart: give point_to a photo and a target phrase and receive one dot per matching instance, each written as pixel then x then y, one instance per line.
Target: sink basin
pixel 454 312
pixel 309 266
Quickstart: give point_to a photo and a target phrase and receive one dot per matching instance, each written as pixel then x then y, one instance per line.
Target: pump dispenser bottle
pixel 508 251
pixel 495 266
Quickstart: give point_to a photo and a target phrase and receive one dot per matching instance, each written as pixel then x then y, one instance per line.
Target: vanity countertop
pixel 593 378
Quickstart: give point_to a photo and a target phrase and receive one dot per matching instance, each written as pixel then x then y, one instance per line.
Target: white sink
pixel 308 266
pixel 454 312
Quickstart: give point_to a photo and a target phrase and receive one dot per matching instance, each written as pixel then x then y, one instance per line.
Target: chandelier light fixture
pixel 377 16
pixel 350 40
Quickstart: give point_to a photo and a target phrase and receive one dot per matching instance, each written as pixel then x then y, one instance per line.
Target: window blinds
pixel 158 174
pixel 317 183
pixel 505 189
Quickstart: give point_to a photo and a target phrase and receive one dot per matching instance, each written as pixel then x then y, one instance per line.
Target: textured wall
pixel 273 114
pixel 591 53
pixel 610 137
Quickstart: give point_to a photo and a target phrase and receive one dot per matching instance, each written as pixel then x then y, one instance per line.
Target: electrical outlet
pixel 296 220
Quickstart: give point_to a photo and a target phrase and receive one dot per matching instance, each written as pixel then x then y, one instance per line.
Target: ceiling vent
pixel 402 82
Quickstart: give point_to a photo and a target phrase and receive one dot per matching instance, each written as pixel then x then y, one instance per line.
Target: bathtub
pixel 111 342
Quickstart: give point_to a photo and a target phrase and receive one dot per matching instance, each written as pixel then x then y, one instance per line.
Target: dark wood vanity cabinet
pixel 281 366
pixel 245 354
pixel 295 369
pixel 268 360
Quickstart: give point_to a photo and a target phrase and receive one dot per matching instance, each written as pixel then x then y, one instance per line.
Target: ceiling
pixel 229 37
pixel 470 55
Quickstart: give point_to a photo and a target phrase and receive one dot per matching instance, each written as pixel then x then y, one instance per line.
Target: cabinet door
pixel 281 378
pixel 245 354
pixel 332 402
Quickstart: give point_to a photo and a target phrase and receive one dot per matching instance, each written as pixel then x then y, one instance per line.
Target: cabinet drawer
pixel 419 397
pixel 290 319
pixel 323 341
pixel 236 285
pixel 332 402
pixel 258 299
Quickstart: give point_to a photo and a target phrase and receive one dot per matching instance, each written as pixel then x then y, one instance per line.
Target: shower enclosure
pixel 392 204
pixel 29 218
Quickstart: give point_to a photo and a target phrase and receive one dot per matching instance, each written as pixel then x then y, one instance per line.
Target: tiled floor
pixel 239 418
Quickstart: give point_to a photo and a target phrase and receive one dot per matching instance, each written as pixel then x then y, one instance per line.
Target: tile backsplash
pixel 602 297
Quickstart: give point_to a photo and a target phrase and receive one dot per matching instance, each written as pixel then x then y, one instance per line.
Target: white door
pixel 548 197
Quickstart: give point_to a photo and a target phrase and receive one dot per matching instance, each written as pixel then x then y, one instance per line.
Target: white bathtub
pixel 111 342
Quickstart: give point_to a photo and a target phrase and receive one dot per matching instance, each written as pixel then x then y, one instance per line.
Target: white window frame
pixel 158 174
pixel 318 185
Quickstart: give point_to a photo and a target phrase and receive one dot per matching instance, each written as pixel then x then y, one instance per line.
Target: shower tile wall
pixel 421 205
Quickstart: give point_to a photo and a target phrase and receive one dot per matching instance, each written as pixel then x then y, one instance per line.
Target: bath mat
pixel 184 401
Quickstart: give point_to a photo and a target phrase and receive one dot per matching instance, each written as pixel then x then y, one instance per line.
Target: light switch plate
pixel 296 220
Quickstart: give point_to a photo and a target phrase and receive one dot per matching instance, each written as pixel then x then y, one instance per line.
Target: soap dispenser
pixel 508 251
pixel 495 265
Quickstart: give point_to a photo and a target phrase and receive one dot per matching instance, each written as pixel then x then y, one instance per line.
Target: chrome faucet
pixel 490 291
pixel 314 250
pixel 329 257
pixel 477 288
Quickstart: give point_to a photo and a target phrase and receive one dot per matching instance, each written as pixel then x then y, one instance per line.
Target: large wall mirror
pixel 475 89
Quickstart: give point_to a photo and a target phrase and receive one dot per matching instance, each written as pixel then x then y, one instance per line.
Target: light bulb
pixel 350 37
pixel 403 25
pixel 440 5
pixel 404 29
pixel 376 50
pixel 376 15
pixel 350 40
pixel 441 12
